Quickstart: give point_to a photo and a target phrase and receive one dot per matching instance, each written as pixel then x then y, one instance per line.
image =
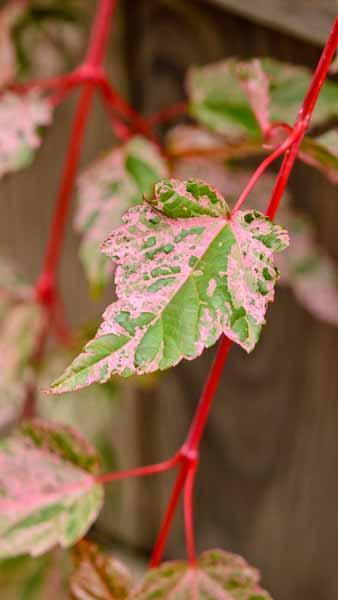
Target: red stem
pixel 90 72
pixel 169 516
pixel 213 380
pixel 189 514
pixel 260 170
pixel 202 413
pixel 112 98
pixel 140 471
pixel 95 55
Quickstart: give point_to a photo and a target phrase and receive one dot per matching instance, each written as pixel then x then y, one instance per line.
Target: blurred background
pixel 267 485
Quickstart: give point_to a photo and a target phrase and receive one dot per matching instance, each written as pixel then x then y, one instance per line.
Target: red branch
pixel 190 449
pixel 90 70
pixel 125 119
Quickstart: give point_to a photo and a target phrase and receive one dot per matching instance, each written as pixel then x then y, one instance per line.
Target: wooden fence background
pixel 267 486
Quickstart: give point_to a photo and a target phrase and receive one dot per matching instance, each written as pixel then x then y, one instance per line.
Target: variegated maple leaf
pixel 236 98
pixel 97 575
pixel 240 100
pixel 218 575
pixel 49 492
pixel 105 191
pixel 20 120
pixel 187 272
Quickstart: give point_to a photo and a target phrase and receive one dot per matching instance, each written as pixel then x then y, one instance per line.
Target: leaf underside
pixel 57 500
pixel 97 575
pixel 186 273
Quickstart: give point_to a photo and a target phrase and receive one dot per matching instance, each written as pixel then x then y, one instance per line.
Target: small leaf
pixel 47 36
pixel 322 152
pixel 20 119
pixel 218 575
pixel 221 100
pixel 58 498
pixel 180 283
pixel 288 87
pixel 98 576
pixel 105 191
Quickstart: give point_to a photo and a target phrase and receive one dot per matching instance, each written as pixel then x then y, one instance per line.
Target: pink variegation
pixel 60 497
pixel 105 191
pixel 180 283
pixel 20 119
pixel 217 575
pixel 255 83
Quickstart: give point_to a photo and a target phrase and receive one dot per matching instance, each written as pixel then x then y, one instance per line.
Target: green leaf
pixel 105 191
pixel 98 576
pixel 26 578
pixel 237 99
pixel 180 283
pixel 58 498
pixel 219 101
pixel 288 87
pixel 218 575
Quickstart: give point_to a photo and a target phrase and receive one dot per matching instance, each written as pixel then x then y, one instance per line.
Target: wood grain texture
pixel 310 20
pixel 266 487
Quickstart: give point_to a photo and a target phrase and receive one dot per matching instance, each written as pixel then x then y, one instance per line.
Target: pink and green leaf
pixel 58 498
pixel 181 282
pixel 235 107
pixel 98 576
pixel 21 118
pixel 218 575
pixel 105 191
